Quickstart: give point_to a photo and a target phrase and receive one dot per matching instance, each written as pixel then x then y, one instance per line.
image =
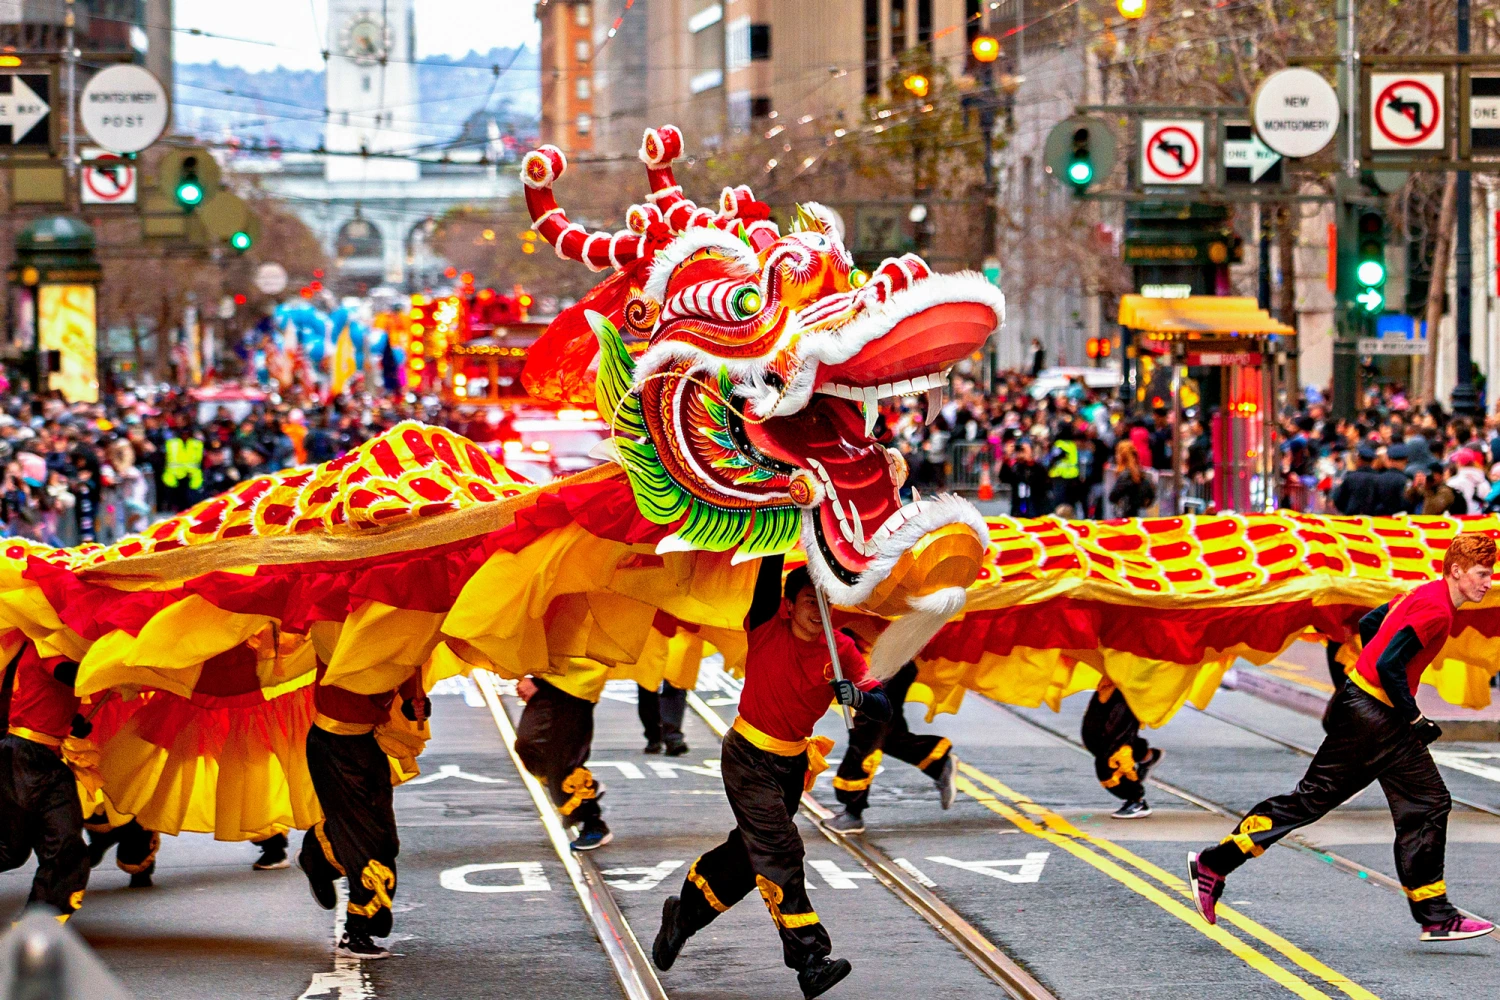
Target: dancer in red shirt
pixel 769 758
pixel 39 806
pixel 1376 732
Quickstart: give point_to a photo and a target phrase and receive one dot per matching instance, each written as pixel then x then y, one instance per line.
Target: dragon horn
pixel 659 147
pixel 539 170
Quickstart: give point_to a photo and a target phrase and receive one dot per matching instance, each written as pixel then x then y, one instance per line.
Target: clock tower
pixel 371 90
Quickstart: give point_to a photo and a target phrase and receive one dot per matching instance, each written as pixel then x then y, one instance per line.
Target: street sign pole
pixel 1346 343
pixel 1465 399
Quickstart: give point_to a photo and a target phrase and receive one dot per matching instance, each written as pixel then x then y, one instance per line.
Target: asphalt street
pixel 1091 906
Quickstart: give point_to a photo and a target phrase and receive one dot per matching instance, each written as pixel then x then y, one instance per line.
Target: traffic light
pixel 986 48
pixel 189 190
pixel 1369 266
pixel 1131 9
pixel 917 84
pixel 241 241
pixel 1080 172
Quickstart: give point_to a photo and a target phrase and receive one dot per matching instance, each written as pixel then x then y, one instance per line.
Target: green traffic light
pixel 241 241
pixel 189 193
pixel 1370 299
pixel 1370 273
pixel 1080 172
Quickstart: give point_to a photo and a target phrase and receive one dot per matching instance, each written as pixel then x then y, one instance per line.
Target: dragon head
pixel 742 368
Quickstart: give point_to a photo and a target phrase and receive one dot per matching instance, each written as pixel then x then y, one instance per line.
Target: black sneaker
pixel 670 938
pixel 142 880
pixel 99 845
pixel 594 835
pixel 322 888
pixel 1153 757
pixel 357 944
pixel 652 747
pixel 946 779
pixel 822 975
pixel 676 748
pixel 1134 809
pixel 272 855
pixel 846 822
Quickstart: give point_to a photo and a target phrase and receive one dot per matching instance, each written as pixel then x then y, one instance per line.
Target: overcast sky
pixel 292 33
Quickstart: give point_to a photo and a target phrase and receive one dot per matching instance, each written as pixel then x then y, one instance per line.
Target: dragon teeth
pixel 872 413
pixel 934 404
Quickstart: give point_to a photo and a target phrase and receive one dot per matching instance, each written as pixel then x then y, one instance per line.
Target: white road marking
pixel 710 770
pixel 626 769
pixel 459 685
pixel 836 877
pixel 914 872
pixel 533 879
pixel 1027 869
pixel 646 878
pixel 347 981
pixel 1469 762
pixel 453 771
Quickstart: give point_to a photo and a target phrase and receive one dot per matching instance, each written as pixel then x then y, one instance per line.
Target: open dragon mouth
pixel 859 524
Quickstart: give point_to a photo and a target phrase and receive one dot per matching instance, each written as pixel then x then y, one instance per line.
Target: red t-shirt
pixel 787 680
pixel 346 706
pixel 38 701
pixel 1429 612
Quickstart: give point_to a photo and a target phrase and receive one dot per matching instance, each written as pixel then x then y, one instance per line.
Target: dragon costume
pixel 740 370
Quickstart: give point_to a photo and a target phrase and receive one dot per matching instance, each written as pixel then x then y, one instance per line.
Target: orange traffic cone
pixel 986 488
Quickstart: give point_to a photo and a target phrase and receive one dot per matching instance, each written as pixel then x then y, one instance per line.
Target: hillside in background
pixel 285 107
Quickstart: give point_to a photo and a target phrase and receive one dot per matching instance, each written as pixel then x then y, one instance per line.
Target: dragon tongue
pixel 934 405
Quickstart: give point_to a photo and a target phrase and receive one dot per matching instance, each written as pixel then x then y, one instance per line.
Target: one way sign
pixel 1247 160
pixel 25 115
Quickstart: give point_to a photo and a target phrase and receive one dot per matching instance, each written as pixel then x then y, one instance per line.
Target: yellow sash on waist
pixel 51 742
pixel 340 728
pixel 816 748
pixel 1363 683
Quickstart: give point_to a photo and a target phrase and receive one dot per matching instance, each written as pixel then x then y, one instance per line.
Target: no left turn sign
pixel 108 180
pixel 1172 152
pixel 1407 111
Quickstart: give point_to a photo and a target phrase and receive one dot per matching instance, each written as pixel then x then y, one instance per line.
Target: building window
pixel 707 80
pixel 872 48
pixel 584 124
pixel 737 44
pixel 581 15
pixel 924 23
pixel 582 88
pixel 706 18
pixel 760 41
pixel 364 83
pixel 760 107
pixel 898 26
pixel 581 49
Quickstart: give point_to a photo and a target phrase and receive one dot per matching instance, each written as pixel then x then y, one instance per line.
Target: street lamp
pixel 917 84
pixel 1131 9
pixel 986 48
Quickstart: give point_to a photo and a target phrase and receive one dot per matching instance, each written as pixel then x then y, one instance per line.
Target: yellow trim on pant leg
pixel 136 869
pixel 1241 836
pixel 943 746
pixel 327 847
pixel 1430 891
pixel 1122 762
pixel 705 888
pixel 772 894
pixel 580 785
pixel 76 900
pixel 869 765
pixel 382 882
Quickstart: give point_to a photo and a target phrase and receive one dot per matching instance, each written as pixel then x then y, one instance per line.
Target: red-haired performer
pixel 39 806
pixel 769 758
pixel 357 836
pixel 1376 732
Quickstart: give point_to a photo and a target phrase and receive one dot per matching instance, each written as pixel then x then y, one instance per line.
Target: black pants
pixel 554 739
pixel 871 740
pixel 1336 672
pixel 1112 733
pixel 135 846
pixel 39 812
pixel 661 714
pixel 763 852
pixel 1366 742
pixel 357 836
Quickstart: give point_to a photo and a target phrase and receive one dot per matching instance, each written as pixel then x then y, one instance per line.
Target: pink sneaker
pixel 1207 887
pixel 1456 929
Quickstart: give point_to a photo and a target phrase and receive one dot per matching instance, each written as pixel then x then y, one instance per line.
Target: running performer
pixel 1122 757
pixel 661 712
pixel 871 740
pixel 554 739
pixel 769 758
pixel 135 847
pixel 1376 732
pixel 357 838
pixel 39 806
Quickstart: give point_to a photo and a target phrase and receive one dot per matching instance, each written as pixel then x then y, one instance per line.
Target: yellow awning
pixel 1201 314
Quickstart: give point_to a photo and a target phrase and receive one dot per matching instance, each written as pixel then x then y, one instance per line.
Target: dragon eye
pixel 857 278
pixel 746 302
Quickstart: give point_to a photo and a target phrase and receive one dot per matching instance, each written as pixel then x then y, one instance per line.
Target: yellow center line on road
pixel 1057 830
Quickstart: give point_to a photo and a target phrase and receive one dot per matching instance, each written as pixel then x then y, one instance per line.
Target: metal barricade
pixel 965 460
